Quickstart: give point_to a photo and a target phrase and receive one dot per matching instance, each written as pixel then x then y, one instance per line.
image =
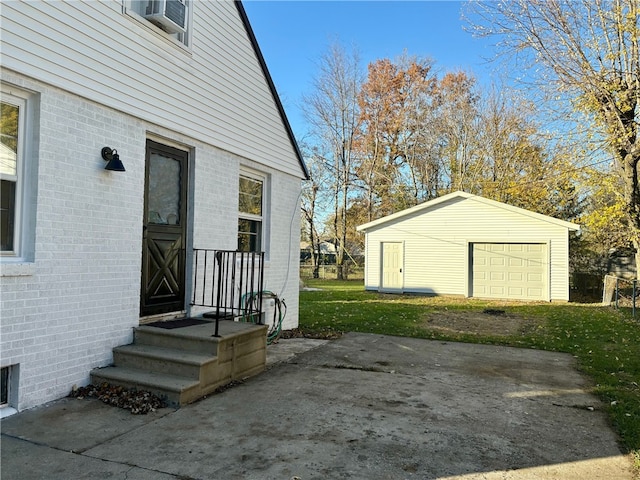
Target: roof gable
pixel 459 195
pixel 215 89
pixel 272 87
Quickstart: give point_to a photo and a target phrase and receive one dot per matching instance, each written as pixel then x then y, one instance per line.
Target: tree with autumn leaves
pixel 333 112
pixel 413 134
pixel 402 135
pixel 586 54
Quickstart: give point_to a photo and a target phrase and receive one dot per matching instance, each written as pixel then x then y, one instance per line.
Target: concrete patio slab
pixel 362 407
pixel 74 425
pixel 23 459
pixel 286 349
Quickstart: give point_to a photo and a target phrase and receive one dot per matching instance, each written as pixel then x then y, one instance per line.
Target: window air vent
pixel 171 15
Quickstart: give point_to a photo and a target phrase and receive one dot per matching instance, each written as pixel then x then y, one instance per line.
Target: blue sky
pixel 293 35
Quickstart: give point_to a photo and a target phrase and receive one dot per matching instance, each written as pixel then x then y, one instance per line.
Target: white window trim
pixel 21 254
pixel 129 10
pixel 265 217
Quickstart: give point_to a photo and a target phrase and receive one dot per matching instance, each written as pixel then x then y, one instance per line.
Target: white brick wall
pixel 80 301
pixel 80 298
pixel 216 218
pixel 282 276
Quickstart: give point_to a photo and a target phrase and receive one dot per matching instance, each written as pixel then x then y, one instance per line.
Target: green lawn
pixel 606 342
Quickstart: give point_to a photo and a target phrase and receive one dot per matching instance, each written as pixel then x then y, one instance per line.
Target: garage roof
pixel 463 195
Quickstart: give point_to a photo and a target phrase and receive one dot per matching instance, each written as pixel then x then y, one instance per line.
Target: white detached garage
pixel 463 244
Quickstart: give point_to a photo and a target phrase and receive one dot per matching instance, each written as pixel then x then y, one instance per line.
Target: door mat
pixel 220 316
pixel 179 323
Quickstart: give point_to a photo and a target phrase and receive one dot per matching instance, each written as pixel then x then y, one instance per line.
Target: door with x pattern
pixel 164 230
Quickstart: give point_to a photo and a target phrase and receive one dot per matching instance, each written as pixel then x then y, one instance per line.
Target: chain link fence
pixel 353 272
pixel 620 292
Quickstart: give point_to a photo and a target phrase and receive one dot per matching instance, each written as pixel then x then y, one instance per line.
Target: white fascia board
pixel 464 195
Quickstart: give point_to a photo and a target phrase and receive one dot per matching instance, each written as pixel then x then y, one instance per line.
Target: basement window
pixel 8 389
pixel 4 392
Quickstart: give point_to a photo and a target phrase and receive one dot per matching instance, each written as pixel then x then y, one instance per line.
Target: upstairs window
pixel 250 217
pixel 173 17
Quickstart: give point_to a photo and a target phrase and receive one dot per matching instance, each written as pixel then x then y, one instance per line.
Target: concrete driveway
pixel 361 407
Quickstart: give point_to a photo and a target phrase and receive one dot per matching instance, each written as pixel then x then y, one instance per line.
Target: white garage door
pixel 516 271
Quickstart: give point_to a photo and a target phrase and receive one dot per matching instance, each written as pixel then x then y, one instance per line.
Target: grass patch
pixel 605 342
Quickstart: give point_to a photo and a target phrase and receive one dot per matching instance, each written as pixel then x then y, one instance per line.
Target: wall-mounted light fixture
pixel 111 156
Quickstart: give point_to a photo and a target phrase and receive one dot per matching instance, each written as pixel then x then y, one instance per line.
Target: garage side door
pixel 392 253
pixel 515 271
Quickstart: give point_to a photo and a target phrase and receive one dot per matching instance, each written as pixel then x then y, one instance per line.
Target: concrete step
pixel 181 363
pixel 178 340
pixel 174 390
pixel 187 363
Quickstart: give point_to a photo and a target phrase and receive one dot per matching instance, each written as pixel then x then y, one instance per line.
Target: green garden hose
pixel 249 303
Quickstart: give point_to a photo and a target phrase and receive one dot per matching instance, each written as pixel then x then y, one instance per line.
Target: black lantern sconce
pixel 111 156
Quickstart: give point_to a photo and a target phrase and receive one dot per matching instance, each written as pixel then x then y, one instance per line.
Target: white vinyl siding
pixel 437 239
pixel 216 91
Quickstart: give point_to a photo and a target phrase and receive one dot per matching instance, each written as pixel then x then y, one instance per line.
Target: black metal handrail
pixel 229 281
